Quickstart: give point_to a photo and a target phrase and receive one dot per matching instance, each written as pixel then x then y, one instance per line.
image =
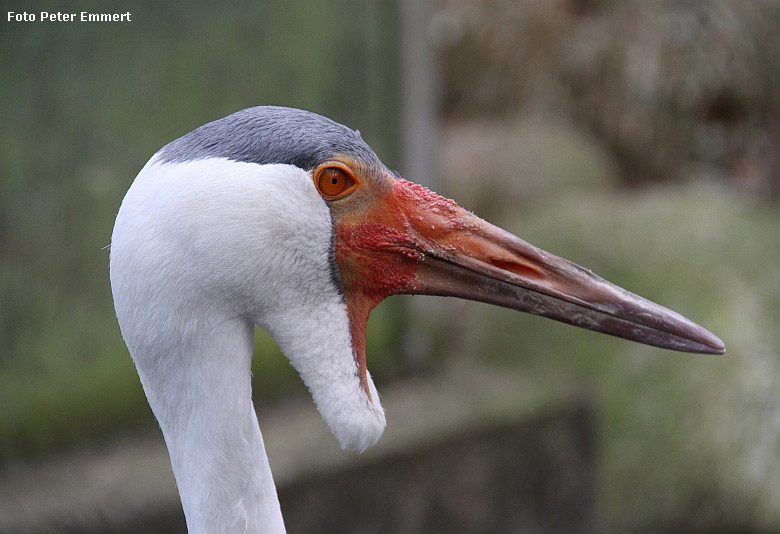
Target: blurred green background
pixel 639 139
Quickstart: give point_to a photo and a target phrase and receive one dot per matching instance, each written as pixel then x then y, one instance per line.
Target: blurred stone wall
pixel 533 476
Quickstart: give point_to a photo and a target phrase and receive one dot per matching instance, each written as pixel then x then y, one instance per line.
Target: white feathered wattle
pixel 201 252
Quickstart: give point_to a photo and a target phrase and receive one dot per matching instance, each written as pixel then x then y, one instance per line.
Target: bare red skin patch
pixel 416 194
pixel 378 250
pixel 378 276
pixel 382 270
pixel 373 262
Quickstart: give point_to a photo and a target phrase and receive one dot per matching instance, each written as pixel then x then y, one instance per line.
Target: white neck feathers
pixel 201 251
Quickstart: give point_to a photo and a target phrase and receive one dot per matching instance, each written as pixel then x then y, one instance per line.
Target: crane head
pixel 289 220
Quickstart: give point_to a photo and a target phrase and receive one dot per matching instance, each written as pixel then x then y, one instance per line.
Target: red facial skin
pixel 378 252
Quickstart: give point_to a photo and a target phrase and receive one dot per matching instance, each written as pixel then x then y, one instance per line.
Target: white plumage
pixel 201 252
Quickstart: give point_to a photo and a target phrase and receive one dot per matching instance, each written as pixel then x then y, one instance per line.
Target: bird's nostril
pixel 520 269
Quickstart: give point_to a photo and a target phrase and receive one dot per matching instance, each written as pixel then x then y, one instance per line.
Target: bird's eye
pixel 334 182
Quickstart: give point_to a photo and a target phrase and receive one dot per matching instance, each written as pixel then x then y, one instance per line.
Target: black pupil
pixel 335 180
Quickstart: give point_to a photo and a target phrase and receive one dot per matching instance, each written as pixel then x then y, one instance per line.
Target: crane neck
pixel 200 392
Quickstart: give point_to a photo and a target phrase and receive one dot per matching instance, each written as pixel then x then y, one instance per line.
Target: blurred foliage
pixel 672 88
pixel 84 106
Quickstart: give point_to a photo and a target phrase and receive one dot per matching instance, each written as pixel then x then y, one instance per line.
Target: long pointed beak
pixel 482 262
pixel 463 256
pixel 410 240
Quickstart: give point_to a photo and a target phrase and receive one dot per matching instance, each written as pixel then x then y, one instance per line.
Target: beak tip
pixel 720 348
pixel 712 344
